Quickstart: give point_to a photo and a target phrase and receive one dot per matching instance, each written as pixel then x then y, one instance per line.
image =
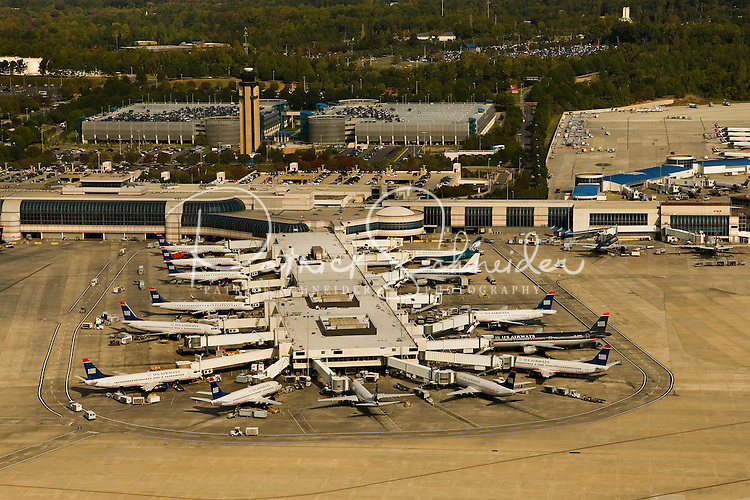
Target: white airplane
pixel 192 248
pixel 363 397
pixel 532 342
pixel 449 255
pixel 197 306
pixel 475 385
pixel 253 394
pixel 382 259
pixel 548 367
pixel 146 381
pixel 443 273
pixel 516 316
pixel 210 276
pixel 178 259
pixel 165 327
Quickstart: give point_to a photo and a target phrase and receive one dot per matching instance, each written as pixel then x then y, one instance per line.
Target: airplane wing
pixel 150 386
pixel 205 400
pixel 463 392
pixel 379 403
pixel 508 322
pixel 394 395
pixel 264 400
pixel 340 398
pixel 544 345
pixel 545 373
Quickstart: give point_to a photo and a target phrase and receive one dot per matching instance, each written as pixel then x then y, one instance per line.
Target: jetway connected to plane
pixel 478 361
pixel 335 383
pixel 426 373
pixel 210 365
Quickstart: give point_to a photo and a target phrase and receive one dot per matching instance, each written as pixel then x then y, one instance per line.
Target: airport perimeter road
pixel 657 380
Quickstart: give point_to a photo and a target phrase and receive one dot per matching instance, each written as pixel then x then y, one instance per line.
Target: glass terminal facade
pixel 92 213
pixel 190 209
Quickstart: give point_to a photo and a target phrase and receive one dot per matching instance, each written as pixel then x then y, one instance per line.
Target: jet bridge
pixel 208 366
pixel 414 370
pixel 478 361
pixel 273 371
pixel 228 340
pixel 469 345
pixel 459 322
pixel 334 382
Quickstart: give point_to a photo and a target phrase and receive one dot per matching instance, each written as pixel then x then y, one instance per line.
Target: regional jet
pixel 194 248
pixel 516 316
pixel 449 255
pixel 200 307
pixel 165 327
pixel 439 274
pixel 209 276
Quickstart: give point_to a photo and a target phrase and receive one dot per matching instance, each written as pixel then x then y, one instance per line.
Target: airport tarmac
pixel 690 443
pixel 639 139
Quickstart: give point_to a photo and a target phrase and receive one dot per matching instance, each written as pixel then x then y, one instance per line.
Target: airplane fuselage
pixel 197 306
pixel 484 386
pixel 155 377
pixel 516 340
pixel 248 395
pixel 554 366
pixel 167 327
pixel 511 315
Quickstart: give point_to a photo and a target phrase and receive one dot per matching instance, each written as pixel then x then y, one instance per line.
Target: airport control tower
pixel 249 112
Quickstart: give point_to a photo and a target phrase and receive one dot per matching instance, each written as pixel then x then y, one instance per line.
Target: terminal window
pixel 108 213
pixel 519 217
pixel 712 225
pixel 561 217
pixel 434 216
pixel 478 216
pixel 618 219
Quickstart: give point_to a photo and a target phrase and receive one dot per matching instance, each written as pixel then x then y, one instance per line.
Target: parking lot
pixel 631 140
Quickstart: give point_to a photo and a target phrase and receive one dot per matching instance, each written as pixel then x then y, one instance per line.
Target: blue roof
pixel 470 45
pixel 729 162
pixel 585 191
pixel 644 174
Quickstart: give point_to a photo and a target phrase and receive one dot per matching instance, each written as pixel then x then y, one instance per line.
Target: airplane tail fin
pixel 166 255
pixel 171 267
pixel 162 241
pixel 546 303
pixel 216 391
pixel 601 358
pixel 128 314
pixel 155 297
pixel 600 326
pixel 92 372
pixel 510 381
pixel 476 244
